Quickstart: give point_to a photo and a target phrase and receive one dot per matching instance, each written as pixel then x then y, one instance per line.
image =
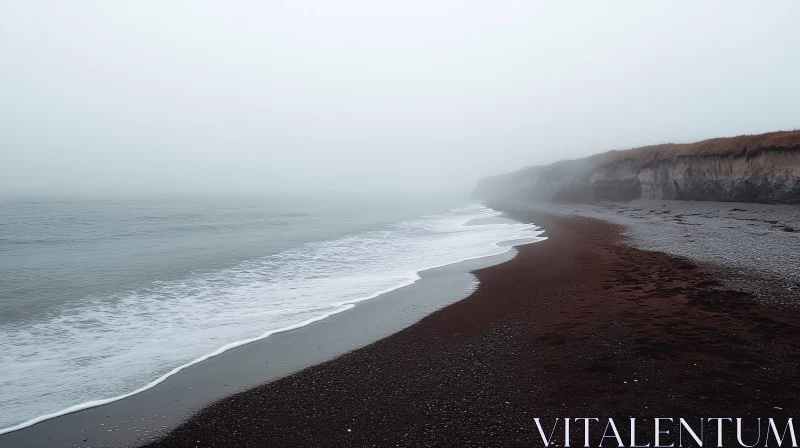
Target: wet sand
pixel 582 324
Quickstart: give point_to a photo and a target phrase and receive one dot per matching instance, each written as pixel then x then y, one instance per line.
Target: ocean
pixel 100 299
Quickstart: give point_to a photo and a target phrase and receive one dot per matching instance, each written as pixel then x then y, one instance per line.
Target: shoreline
pixel 582 323
pixel 150 412
pixel 414 276
pixel 411 277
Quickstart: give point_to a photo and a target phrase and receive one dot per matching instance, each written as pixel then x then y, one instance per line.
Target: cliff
pixel 750 168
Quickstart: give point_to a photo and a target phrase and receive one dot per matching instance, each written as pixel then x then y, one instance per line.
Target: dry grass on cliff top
pixel 743 145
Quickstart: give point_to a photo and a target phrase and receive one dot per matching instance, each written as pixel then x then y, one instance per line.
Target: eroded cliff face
pixel 765 175
pixel 771 176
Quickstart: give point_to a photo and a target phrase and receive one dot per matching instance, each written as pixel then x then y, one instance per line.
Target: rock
pixel 761 168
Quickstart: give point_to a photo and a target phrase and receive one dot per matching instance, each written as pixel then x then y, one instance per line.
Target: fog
pixel 103 97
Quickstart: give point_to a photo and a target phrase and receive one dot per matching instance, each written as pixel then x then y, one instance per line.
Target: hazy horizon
pixel 198 97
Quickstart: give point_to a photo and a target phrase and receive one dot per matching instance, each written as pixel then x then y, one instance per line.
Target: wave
pixel 412 240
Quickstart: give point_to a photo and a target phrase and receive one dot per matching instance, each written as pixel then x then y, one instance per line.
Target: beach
pixel 581 324
pixel 642 309
pixel 408 224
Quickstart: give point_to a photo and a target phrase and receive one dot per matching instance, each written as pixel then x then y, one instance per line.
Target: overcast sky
pixel 99 96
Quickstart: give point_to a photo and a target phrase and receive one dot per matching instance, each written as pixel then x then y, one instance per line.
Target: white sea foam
pixel 114 348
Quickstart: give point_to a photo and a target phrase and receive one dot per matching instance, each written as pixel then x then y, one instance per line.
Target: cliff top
pixel 741 145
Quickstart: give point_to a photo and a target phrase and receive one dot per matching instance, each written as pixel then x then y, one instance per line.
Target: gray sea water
pixel 102 298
